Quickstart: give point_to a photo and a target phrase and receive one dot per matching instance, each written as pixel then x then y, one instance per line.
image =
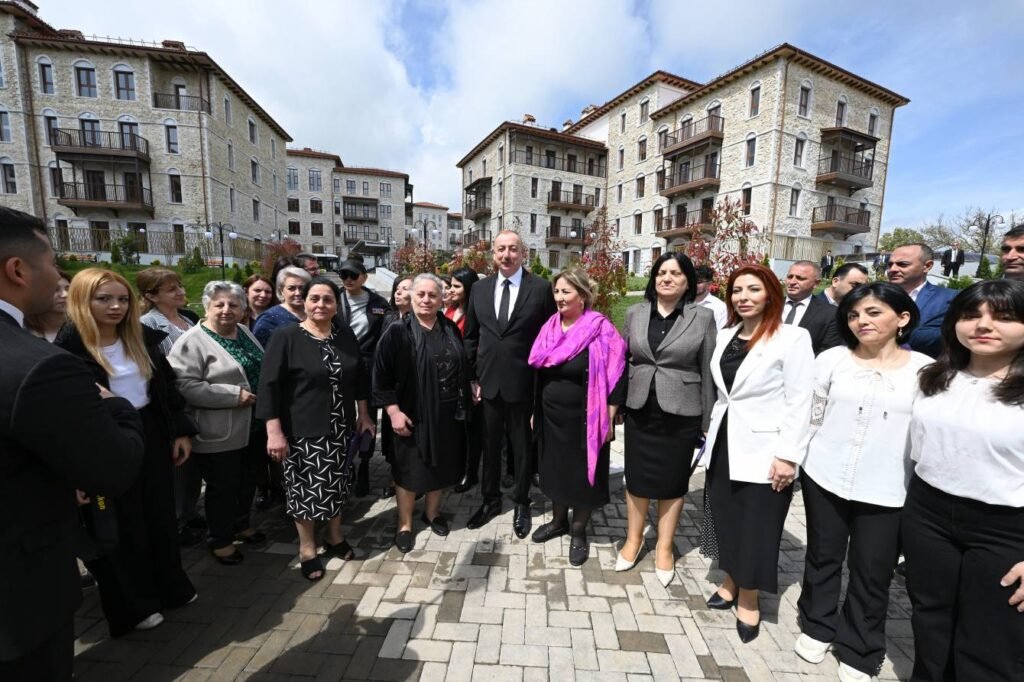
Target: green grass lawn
pixel 194 282
pixel 618 315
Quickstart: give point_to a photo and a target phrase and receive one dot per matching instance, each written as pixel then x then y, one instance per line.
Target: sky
pixel 413 85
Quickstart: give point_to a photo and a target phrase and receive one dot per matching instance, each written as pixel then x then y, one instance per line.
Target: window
pixel 90 131
pixel 7 177
pixel 5 127
pixel 616 227
pixel 798 152
pixel 622 158
pixel 658 213
pixel 337 229
pixel 662 136
pixel 385 189
pixel 533 223
pixel 640 183
pixel 46 78
pixel 804 108
pixel 171 136
pixel 873 124
pixel 316 229
pixel 231 155
pixel 659 178
pixel 619 187
pixel 275 183
pixel 501 191
pixel 644 109
pixel 56 180
pixel 638 223
pixel 533 188
pixel 50 122
pixel 483 173
pixel 273 148
pixel 293 205
pixel 570 163
pixel 337 185
pixel 751 151
pixel 840 113
pixel 254 171
pixel 597 196
pixel 549 158
pixel 255 210
pixel 553 260
pixel 501 155
pixel 316 206
pixel 314 180
pixel 85 80
pixel 227 109
pixel 337 207
pixel 293 227
pixel 748 194
pixel 529 154
pixel 124 85
pixel 350 186
pixel 232 206
pixel 794 202
pixel 252 131
pixel 366 188
pixel 641 150
pixel 385 212
pixel 174 186
pixel 293 179
pixel 755 100
pixel 622 122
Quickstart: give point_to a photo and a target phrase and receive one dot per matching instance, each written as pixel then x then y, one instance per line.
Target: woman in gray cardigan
pixel 668 406
pixel 217 364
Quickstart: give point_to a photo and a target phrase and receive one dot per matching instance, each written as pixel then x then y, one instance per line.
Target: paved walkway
pixel 476 605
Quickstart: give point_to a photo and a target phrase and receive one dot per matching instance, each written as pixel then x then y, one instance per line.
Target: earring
pixel 899 333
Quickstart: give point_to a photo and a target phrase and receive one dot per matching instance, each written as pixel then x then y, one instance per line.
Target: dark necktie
pixel 506 297
pixel 791 317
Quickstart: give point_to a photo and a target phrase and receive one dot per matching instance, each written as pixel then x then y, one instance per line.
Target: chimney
pixel 71 33
pixel 567 124
pixel 173 45
pixel 529 118
pixel 587 110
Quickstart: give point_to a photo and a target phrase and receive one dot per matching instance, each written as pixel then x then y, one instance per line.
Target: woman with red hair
pixel 760 425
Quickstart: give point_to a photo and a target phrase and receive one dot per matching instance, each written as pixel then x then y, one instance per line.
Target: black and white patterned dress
pixel 316 483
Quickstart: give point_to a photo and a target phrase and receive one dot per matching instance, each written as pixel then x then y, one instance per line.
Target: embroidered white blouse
pixel 860 443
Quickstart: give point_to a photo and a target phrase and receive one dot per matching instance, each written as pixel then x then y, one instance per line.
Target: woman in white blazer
pixel 764 373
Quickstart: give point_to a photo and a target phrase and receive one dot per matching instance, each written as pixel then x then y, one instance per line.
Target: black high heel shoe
pixel 719 603
pixel 747 633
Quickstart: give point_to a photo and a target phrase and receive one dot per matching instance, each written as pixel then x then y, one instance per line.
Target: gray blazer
pixel 211 381
pixel 680 370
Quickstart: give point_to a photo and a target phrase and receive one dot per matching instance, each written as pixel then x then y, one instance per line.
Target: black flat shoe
pixel 719 603
pixel 747 633
pixel 256 537
pixel 439 525
pixel 404 541
pixel 232 559
pixel 549 531
pixel 521 521
pixel 486 512
pixel 579 553
pixel 342 550
pixel 467 483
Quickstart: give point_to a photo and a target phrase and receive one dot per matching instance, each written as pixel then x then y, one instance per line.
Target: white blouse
pixel 126 381
pixel 860 447
pixel 968 444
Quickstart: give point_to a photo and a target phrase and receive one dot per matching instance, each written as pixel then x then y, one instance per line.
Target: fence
pixel 85 241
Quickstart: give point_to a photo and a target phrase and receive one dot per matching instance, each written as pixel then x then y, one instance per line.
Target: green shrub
pixel 236 276
pixel 248 270
pixel 537 268
pixel 984 269
pixel 192 263
pixel 115 252
pixel 156 263
pixel 961 282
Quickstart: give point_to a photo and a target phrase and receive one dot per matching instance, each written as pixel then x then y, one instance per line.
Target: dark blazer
pixel 164 396
pixel 56 434
pixel 947 257
pixel 827 262
pixel 680 370
pixel 376 309
pixel 932 301
pixel 820 296
pixel 820 322
pixel 499 358
pixel 296 388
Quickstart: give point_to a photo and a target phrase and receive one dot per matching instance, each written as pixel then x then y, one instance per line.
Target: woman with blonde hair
pixel 142 576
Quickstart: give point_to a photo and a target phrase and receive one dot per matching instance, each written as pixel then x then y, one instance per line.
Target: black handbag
pixel 101 525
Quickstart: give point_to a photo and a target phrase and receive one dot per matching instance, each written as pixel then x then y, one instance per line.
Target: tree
pixel 477 259
pixel 274 250
pixel 984 269
pixel 602 261
pixel 413 260
pixel 900 236
pixel 736 241
pixel 537 268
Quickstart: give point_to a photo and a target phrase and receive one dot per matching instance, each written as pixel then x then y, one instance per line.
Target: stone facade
pixel 430 219
pixel 655 178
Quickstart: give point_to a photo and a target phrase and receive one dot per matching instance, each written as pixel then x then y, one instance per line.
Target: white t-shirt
pixel 357 318
pixel 126 381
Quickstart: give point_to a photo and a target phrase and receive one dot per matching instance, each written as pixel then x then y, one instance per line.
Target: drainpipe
pixel 778 156
pixel 31 143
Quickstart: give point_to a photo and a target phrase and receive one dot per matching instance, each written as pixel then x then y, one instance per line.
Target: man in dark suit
pixel 846 278
pixel 56 435
pixel 952 259
pixel 504 316
pixel 816 316
pixel 827 263
pixel 909 266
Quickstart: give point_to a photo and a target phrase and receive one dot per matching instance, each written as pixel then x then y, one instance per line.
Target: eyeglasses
pixel 349 275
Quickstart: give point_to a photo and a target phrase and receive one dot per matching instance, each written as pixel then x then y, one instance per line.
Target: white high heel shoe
pixel 665 576
pixel 622 564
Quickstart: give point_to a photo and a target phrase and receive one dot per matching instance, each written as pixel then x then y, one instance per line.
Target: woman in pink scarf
pixel 581 361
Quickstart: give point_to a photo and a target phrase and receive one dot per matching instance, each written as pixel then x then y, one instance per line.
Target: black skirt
pixel 659 451
pixel 413 473
pixel 748 521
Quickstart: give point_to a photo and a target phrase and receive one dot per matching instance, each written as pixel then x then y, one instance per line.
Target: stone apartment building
pixel 454 231
pixel 430 221
pixel 103 138
pixel 800 143
pixel 346 211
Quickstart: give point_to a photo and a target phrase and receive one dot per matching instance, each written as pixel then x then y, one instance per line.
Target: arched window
pixel 873 119
pixel 641 148
pixel 8 176
pixel 227 109
pixel 231 155
pixel 645 109
pixel 56 178
pixel 89 127
pixel 750 150
pixel 800 150
pixel 805 101
pixel 5 124
pixel 124 82
pixel 47 84
pixel 746 198
pixel 795 197
pixel 85 78
pixel 253 131
pixel 841 106
pixel 254 170
pixel 755 99
pixel 171 136
pixel 293 179
pixel 662 134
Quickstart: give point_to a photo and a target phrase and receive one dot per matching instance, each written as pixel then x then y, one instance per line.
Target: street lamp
pixel 427 228
pixel 989 219
pixel 220 234
pixel 593 235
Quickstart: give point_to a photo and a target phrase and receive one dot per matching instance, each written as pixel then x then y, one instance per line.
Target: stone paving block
pixel 574 585
pixel 504 600
pixel 364 657
pixel 664 624
pixel 544 636
pixel 622 613
pixel 592 604
pixel 397 586
pixel 662 667
pixel 457 632
pixel 568 619
pixel 584 650
pixel 392 670
pixel 488 644
pixel 394 642
pixel 427 650
pixel 461 662
pixel 605 636
pixel 513 626
pixel 560 665
pixel 497 673
pixel 387 609
pixel 642 641
pixel 622 661
pixel 683 656
pixel 451 607
pixel 423 626
pixel 524 655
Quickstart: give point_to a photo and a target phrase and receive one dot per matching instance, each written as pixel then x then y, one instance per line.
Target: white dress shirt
pixel 14 312
pixel 860 444
pixel 717 306
pixel 968 444
pixel 513 291
pixel 913 293
pixel 800 310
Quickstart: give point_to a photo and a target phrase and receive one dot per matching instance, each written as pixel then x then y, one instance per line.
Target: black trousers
pixel 514 418
pixel 230 486
pixel 957 551
pixel 872 534
pixel 51 661
pixel 143 574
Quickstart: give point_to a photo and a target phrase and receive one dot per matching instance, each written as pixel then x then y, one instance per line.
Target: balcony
pixel 362 213
pixel 163 100
pixel 686 224
pixel 692 134
pixel 82 145
pixel 477 208
pixel 583 167
pixel 475 186
pixel 843 219
pixel 560 234
pixel 571 201
pixel 353 236
pixel 454 240
pixel 77 195
pixel 850 171
pixel 691 179
pixel 478 238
